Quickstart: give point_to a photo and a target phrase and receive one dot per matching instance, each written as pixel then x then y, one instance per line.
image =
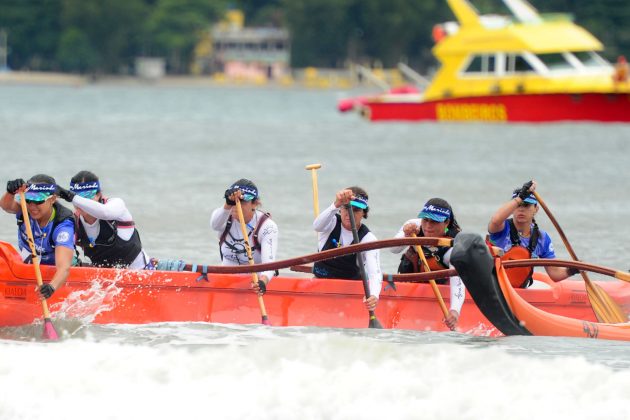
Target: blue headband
pixel 531 199
pixel 86 189
pixel 39 192
pixel 437 213
pixel 249 193
pixel 360 202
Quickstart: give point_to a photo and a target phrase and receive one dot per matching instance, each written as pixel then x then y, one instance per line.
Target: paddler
pixel 52 225
pixel 262 230
pixel 521 238
pixel 435 220
pixel 335 230
pixel 105 228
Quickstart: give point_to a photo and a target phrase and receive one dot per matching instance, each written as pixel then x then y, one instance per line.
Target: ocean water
pixel 170 152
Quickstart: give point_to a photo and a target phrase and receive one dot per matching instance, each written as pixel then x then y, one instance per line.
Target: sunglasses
pixel 37 203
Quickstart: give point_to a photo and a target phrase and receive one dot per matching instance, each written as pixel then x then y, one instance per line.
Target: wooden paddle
pixel 545 262
pixel 318 256
pixel 605 308
pixel 313 168
pixel 374 322
pixel 250 258
pixel 432 282
pixel 49 332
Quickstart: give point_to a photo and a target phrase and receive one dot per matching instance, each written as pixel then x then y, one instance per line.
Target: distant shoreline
pixel 17 78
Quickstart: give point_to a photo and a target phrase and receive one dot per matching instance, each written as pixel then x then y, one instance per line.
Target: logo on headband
pixel 249 193
pixel 86 189
pixel 360 202
pixel 42 188
pixel 439 214
pixel 82 186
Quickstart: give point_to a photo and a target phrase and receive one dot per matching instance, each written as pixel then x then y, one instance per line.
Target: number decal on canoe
pixel 15 291
pixel 591 330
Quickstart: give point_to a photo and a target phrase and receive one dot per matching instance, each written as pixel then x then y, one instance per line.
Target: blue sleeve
pixel 64 234
pixel 501 238
pixel 545 246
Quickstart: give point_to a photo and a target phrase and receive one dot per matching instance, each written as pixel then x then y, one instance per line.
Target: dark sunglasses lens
pixel 37 203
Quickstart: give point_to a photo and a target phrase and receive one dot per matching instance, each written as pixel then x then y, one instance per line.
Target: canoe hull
pixel 506 307
pixel 135 297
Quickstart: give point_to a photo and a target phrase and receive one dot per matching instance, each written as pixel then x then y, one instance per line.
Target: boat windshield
pixel 484 64
pixel 591 59
pixel 555 61
pixel 517 63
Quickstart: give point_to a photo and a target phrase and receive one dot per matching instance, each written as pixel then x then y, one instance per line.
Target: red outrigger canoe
pixel 506 307
pixel 105 295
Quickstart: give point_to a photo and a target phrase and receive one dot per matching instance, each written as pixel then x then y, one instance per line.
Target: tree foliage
pixel 105 36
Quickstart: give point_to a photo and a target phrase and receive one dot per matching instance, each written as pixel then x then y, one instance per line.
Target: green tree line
pixel 96 36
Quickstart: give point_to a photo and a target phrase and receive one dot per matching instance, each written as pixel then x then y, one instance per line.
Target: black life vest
pixel 410 261
pixel 520 276
pixel 255 243
pixel 61 214
pixel 109 249
pixel 344 267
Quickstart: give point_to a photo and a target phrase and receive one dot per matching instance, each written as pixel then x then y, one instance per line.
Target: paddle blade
pixel 605 308
pixel 49 331
pixel 374 323
pixel 265 320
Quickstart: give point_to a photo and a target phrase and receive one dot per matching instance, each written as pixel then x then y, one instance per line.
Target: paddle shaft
pixel 374 323
pixel 38 272
pixel 432 282
pixel 250 259
pixel 608 313
pixel 313 168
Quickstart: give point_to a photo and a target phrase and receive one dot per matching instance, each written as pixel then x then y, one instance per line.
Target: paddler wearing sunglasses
pixel 262 231
pixel 52 225
pixel 105 228
pixel 335 230
pixel 520 237
pixel 436 220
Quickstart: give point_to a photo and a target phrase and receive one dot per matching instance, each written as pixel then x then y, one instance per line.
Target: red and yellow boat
pixel 104 295
pixel 512 314
pixel 527 68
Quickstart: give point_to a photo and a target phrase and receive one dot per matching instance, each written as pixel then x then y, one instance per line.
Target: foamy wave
pixel 328 375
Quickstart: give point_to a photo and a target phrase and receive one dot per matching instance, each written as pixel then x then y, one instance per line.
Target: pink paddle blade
pixel 49 330
pixel 265 321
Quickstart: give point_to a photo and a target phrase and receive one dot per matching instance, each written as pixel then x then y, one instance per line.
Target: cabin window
pixel 590 59
pixel 517 63
pixel 481 64
pixel 555 61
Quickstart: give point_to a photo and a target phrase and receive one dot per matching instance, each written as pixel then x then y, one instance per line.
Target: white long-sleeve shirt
pixel 113 209
pixel 458 291
pixel 233 249
pixel 324 225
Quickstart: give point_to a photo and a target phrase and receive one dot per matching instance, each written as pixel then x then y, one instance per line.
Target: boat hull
pixel 506 308
pixel 135 297
pixel 600 107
